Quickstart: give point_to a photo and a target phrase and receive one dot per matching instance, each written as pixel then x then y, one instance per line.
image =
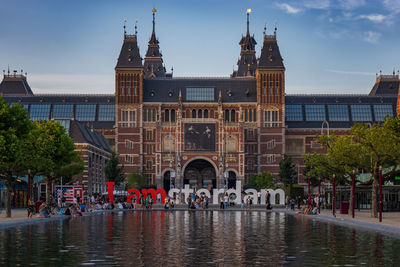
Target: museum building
pixel 207 132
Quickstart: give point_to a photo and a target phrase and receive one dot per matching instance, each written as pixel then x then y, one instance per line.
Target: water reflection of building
pixel 255 121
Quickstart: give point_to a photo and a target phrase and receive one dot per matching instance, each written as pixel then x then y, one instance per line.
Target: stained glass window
pixel 382 110
pixel 106 112
pixel 85 112
pixel 315 112
pixel 40 111
pixel 62 110
pixel 338 113
pixel 361 112
pixel 293 113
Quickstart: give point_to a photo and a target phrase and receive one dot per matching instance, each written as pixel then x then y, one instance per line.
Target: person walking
pixel 30 208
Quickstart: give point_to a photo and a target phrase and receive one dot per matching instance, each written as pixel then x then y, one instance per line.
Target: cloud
pixel 351 4
pixel 392 5
pixel 71 83
pixel 372 37
pixel 377 18
pixel 288 8
pixel 351 72
pixel 317 4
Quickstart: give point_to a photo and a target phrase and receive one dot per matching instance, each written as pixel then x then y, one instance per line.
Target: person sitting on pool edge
pixel 43 211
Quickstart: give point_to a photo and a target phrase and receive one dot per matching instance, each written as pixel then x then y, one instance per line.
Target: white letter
pixel 187 191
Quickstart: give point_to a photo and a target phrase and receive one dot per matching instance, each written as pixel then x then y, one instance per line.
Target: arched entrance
pixel 232 179
pixel 167 181
pixel 201 174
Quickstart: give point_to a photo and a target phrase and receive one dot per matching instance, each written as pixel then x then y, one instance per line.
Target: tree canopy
pixel 14 128
pixel 113 172
pixel 262 180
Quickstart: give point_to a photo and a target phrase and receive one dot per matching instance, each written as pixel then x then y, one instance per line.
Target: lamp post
pixel 353 189
pixel 333 196
pixel 319 195
pixel 309 196
pixel 380 193
pixel 29 184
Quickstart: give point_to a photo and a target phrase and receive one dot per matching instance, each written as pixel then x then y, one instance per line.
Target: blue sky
pixel 328 46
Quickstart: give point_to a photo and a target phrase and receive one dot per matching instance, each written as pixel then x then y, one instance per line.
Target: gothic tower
pixel 128 102
pixel 153 62
pixel 270 78
pixel 247 64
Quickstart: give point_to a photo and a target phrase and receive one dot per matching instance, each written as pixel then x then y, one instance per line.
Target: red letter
pixel 110 189
pixel 130 196
pixel 154 193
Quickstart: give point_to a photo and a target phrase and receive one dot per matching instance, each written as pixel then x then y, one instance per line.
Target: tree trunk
pixel 374 207
pixel 8 198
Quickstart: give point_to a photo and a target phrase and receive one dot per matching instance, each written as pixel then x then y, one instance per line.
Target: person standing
pixel 30 208
pixel 268 200
pixel 259 197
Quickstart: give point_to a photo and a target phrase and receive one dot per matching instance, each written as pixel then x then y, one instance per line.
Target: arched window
pixel 173 115
pixel 200 114
pixel 226 114
pixel 250 115
pixel 206 113
pixel 233 115
pixel 246 115
pixel 166 115
pixel 194 113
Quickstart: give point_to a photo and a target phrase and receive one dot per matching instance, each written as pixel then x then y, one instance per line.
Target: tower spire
pixel 124 27
pixel 248 12
pixel 154 20
pixel 247 62
pixel 153 63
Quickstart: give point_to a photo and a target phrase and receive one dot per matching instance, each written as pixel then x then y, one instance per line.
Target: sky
pixel 328 46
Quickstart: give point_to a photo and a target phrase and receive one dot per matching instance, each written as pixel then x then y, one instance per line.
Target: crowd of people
pixel 307 205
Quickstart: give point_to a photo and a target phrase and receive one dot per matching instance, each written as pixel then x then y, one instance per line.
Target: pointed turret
pixel 129 56
pixel 247 64
pixel 270 57
pixel 153 63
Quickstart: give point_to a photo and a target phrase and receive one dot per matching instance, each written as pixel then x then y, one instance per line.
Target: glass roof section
pixel 315 112
pixel 293 113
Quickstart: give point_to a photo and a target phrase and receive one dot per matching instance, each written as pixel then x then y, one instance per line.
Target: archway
pixel 167 181
pixel 200 173
pixel 231 179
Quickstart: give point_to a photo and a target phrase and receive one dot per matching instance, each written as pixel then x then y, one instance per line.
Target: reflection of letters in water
pixel 200 136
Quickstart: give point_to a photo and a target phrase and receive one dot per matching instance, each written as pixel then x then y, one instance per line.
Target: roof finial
pixel 154 22
pixel 172 70
pixel 8 69
pixel 124 27
pixel 248 12
pixel 135 27
pixel 265 27
pixel 394 71
pixel 275 28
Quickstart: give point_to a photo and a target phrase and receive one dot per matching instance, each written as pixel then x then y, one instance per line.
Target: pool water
pixel 197 238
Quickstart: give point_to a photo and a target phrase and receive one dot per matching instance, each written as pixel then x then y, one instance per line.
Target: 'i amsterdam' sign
pixel 252 193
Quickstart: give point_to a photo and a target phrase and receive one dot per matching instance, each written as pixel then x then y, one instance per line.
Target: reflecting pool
pixel 182 238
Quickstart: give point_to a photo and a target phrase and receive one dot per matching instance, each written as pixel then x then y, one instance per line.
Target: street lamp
pixel 380 193
pixel 327 127
pixel 333 196
pixel 353 188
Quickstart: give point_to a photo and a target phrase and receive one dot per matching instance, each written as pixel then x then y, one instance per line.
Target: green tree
pixel 14 127
pixel 381 145
pixel 112 171
pixel 54 150
pixel 287 172
pixel 135 180
pixel 262 180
